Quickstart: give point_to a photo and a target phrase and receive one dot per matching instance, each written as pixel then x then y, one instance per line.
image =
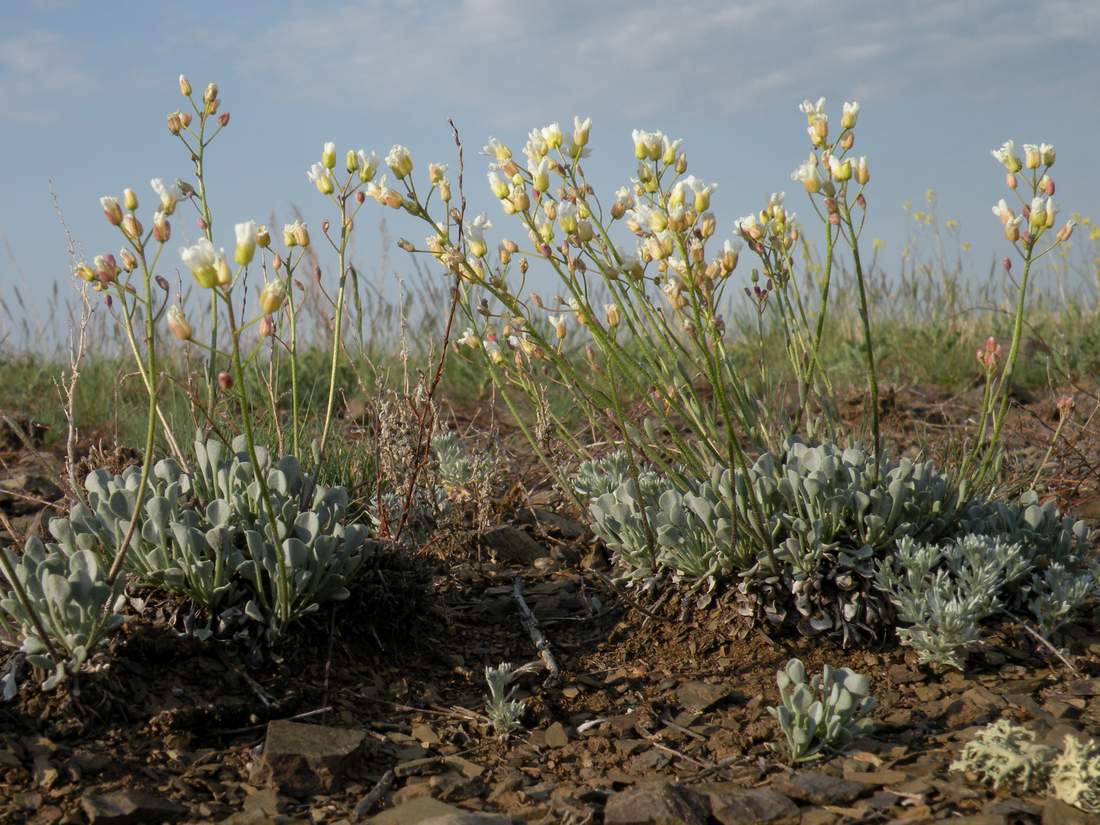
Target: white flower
pixel 492 348
pixel 535 149
pixel 812 110
pixel 321 177
pixel 368 165
pixel 246 242
pixel 552 135
pixel 567 217
pixel 849 116
pixel 1046 154
pixel 475 235
pixel 701 192
pixel 647 145
pixel 203 261
pixel 495 149
pixel 748 226
pixel 1007 156
pixel 540 173
pixel 469 338
pixel 1002 211
pixel 581 128
pixel 498 187
pixel 809 175
pixel 646 218
pixel 669 149
pixel 169 194
pixel 400 161
pixel 624 197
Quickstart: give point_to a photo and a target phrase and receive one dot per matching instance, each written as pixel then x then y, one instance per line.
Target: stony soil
pixel 373 711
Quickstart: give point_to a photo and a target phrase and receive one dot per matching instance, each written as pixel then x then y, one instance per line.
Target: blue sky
pixel 85 86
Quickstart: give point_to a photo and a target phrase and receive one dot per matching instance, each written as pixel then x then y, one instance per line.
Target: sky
pixel 85 87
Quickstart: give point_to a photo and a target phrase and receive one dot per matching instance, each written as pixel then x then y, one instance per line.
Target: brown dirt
pixel 403 660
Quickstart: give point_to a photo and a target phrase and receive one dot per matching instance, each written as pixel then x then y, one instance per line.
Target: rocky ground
pixel 374 711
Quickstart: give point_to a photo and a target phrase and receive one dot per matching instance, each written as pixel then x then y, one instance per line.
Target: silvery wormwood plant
pixel 944 592
pixel 68 591
pixel 823 714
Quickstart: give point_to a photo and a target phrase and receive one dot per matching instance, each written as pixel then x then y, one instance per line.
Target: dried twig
pixel 375 796
pixel 532 626
pixel 1044 641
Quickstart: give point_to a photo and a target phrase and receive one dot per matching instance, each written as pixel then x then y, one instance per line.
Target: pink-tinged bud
pixel 225 380
pixel 1066 231
pixel 112 211
pixel 129 262
pixel 989 355
pixel 201 224
pixel 106 268
pixel 162 282
pixel 847 141
pixel 360 196
pixel 132 228
pixel 177 323
pixel 223 119
pixel 834 219
pixel 211 93
pixel 267 327
pixel 162 230
pixel 1065 406
pixel 185 119
pixel 1048 185
pixel 174 124
pixel 1007 264
pixel 861 201
pixel 1010 180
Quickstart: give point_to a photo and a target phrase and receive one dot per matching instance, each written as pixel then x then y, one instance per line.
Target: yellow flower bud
pixel 351 161
pixel 177 323
pixel 611 311
pixel 185 86
pixel 328 155
pixel 223 275
pixel 272 297
pixel 131 228
pixel 129 199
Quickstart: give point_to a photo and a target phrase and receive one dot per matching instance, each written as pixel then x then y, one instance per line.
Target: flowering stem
pixel 1004 387
pixel 151 418
pixel 282 604
pixel 337 326
pixel 864 317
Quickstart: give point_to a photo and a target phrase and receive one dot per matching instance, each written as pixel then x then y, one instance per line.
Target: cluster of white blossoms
pixel 1041 213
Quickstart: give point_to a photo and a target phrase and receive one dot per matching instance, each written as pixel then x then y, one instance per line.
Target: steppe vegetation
pixel 253 490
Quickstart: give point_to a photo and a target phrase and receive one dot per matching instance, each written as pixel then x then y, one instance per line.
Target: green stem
pixel 337 328
pixel 150 424
pixel 865 320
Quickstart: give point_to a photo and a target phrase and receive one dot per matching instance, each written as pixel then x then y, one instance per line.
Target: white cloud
pixel 37 69
pixel 640 57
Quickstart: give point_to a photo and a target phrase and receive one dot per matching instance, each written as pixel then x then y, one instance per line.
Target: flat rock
pixel 302 760
pixel 819 788
pixel 130 807
pixel 416 812
pixel 656 804
pixel 556 736
pixel 1057 812
pixel 510 545
pixel 744 807
pixel 467 818
pixel 700 697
